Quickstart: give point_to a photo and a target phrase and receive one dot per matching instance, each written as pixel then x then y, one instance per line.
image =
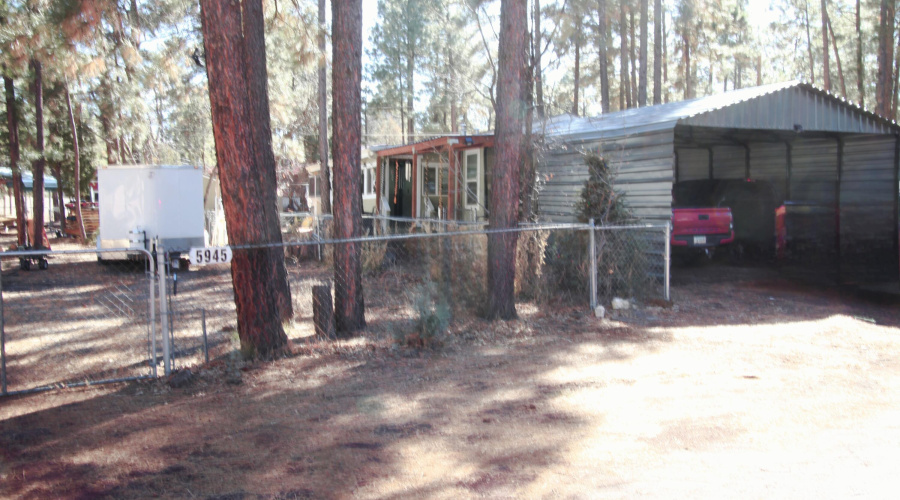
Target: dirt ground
pixel 750 386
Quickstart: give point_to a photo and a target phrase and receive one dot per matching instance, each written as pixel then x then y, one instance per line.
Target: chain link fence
pixel 421 278
pixel 70 318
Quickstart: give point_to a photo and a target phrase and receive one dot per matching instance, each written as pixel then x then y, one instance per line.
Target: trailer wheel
pixel 26 264
pixel 43 264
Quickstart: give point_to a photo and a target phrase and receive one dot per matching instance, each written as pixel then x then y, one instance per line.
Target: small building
pixel 314 189
pixel 51 202
pixel 834 164
pixel 446 177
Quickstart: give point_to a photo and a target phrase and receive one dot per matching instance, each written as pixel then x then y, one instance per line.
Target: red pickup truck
pixel 698 226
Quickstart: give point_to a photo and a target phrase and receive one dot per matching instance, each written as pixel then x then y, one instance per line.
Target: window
pixel 313 186
pixel 473 178
pixel 429 183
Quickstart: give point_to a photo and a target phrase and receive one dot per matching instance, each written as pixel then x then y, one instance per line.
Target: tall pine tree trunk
pixel 12 122
pixel 624 83
pixel 826 70
pixel 77 151
pixel 837 59
pixel 505 188
pixel 632 56
pixel 411 95
pixel 860 69
pixel 809 46
pixel 665 58
pixel 324 170
pixel 642 78
pixel 349 309
pixel 602 56
pixel 883 80
pixel 577 69
pixel 253 24
pixel 60 198
pixel 38 166
pixel 243 197
pixel 538 70
pixel 657 51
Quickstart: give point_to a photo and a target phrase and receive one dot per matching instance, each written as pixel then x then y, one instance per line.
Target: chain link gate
pixel 78 317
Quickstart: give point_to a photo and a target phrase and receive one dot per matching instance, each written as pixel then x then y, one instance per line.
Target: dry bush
pixel 530 263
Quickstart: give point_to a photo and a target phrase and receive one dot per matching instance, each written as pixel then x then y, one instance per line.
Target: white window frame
pixel 479 190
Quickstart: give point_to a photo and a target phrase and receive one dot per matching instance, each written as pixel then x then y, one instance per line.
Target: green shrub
pixel 432 318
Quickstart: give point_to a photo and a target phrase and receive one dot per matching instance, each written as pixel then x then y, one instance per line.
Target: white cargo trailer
pixel 142 204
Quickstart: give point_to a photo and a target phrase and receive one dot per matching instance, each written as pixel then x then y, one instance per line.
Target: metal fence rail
pixel 75 320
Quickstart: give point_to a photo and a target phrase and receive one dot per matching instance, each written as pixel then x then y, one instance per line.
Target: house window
pixel 370 179
pixel 313 186
pixel 473 178
pixel 429 183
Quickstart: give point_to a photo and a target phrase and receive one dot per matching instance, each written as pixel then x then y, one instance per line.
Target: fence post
pixel 152 316
pixel 2 340
pixel 593 254
pixel 668 258
pixel 205 341
pixel 163 308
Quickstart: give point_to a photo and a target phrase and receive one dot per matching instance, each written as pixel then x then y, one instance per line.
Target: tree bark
pixel 883 80
pixel 657 51
pixel 826 70
pixel 346 98
pixel 624 83
pixel 324 170
pixel 538 67
pixel 860 70
pixel 56 167
pixel 809 47
pixel 323 311
pixel 837 59
pixel 81 233
pixel 665 57
pixel 632 56
pixel 505 187
pixel 603 57
pixel 38 166
pixel 243 198
pixel 642 71
pixel 577 69
pixel 12 123
pixel 257 77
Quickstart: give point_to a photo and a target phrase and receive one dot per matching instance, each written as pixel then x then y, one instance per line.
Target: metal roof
pixel 779 106
pixel 27 178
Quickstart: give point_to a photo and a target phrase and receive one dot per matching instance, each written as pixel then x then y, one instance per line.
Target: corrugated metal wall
pixel 768 162
pixel 729 162
pixel 644 165
pixel 693 164
pixel 867 223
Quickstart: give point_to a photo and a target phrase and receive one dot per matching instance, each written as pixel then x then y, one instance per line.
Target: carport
pixel 834 164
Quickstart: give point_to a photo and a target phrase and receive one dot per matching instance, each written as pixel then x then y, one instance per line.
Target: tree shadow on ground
pixel 362 420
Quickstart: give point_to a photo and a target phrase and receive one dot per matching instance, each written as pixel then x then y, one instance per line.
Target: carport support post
pixel 163 307
pixel 2 341
pixel 668 259
pixel 593 254
pixel 152 316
